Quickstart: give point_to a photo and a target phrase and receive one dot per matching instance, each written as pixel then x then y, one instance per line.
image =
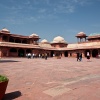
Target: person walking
pixel 33 55
pixel 78 57
pixel 29 55
pixel 88 56
pixel 39 55
pixel 46 56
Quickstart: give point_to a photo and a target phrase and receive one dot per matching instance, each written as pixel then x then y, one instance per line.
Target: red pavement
pixel 52 79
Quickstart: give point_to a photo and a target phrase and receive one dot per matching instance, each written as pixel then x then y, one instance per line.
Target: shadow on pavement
pixel 12 95
pixel 3 61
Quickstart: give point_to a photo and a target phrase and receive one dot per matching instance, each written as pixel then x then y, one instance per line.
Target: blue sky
pixel 50 18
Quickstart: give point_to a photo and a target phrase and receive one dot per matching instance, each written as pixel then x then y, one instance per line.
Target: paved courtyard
pixel 52 79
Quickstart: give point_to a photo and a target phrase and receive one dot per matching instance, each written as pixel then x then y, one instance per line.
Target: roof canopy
pixel 81 34
pixel 5 30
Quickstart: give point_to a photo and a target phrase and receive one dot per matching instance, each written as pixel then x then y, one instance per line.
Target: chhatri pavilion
pixel 14 45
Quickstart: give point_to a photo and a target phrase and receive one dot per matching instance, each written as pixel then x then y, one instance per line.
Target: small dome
pixel 32 35
pixel 5 30
pixel 81 34
pixel 44 41
pixel 59 39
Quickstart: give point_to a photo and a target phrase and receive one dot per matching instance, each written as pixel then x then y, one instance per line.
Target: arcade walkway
pixel 52 79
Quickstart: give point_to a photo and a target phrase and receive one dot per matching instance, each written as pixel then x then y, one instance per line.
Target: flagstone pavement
pixel 51 79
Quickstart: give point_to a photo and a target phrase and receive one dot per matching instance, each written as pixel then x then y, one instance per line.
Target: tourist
pixel 98 56
pixel 42 55
pixel 33 55
pixel 39 55
pixel 78 57
pixel 26 55
pixel 29 55
pixel 53 55
pixel 46 56
pixel 88 56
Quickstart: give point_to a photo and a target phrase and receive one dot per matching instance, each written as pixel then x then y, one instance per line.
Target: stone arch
pixel 28 51
pixel 11 39
pixel 52 52
pixel 5 38
pixel 66 53
pixel 13 50
pixel 94 52
pixel 24 41
pixel 17 41
pixel 21 52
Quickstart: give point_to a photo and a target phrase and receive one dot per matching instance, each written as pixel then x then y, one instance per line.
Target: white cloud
pixel 83 2
pixel 13 21
pixel 64 7
pixel 27 2
pixel 42 10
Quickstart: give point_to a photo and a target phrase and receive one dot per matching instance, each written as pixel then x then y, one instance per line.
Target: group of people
pixel 79 56
pixel 44 55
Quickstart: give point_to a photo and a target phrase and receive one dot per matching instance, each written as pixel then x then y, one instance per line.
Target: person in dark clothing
pixel 78 57
pixel 46 56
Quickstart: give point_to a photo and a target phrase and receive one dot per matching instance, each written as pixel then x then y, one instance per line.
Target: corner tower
pixel 81 37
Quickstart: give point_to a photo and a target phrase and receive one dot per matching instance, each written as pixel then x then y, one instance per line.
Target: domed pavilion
pixel 59 42
pixel 81 37
pixel 15 45
pixel 44 41
pixel 5 30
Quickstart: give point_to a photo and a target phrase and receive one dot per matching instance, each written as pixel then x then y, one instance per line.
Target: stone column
pixel 0 38
pixel 69 54
pixel 7 53
pixel 77 39
pixel 17 52
pixel 83 53
pixel 90 53
pixel 0 53
pixel 63 54
pixel 98 51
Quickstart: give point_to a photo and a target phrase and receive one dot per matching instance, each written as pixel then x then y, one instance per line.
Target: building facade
pixel 14 45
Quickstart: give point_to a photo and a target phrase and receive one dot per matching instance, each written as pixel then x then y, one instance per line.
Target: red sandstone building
pixel 13 45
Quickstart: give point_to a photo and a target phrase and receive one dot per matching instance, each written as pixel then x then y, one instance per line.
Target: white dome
pixel 33 35
pixel 44 41
pixel 5 30
pixel 81 33
pixel 59 39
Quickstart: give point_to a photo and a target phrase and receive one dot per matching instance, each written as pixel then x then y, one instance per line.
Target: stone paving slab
pixel 55 91
pixel 52 79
